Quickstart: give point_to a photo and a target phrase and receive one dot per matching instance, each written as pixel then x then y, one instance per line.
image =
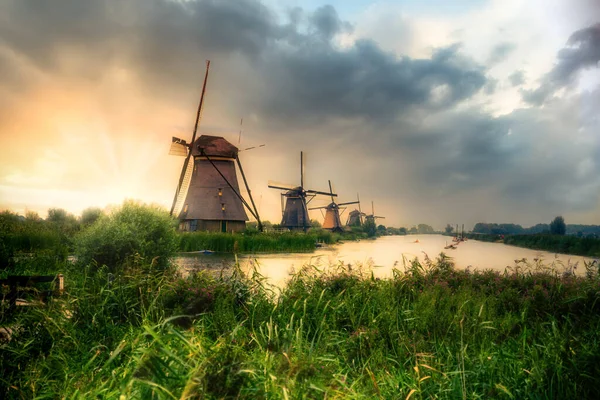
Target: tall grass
pixel 430 331
pixel 258 242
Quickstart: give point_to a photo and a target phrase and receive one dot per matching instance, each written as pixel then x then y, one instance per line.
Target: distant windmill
pixel 208 196
pixel 372 216
pixel 333 221
pixel 295 213
pixel 355 217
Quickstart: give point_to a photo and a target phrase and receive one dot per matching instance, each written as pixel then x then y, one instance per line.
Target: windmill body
pixel 333 221
pixel 295 213
pixel 372 217
pixel 211 203
pixel 208 195
pixel 355 218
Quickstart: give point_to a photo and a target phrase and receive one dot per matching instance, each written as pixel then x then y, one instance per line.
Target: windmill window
pixel 222 206
pixel 220 192
pixel 193 225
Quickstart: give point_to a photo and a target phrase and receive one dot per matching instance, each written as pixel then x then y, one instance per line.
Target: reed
pixel 429 331
pixel 256 242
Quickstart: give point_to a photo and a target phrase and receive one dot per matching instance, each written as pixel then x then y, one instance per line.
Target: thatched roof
pixel 214 146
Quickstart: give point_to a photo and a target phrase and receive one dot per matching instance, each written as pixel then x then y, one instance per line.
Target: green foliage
pixel 589 247
pixel 558 226
pixel 429 331
pixel 425 229
pixel 449 229
pixel 90 215
pixel 132 232
pixel 369 227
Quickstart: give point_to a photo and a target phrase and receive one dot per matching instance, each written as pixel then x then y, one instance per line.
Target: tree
pixel 449 228
pixel 134 232
pixel 370 227
pixel 425 229
pixel 558 226
pixel 90 215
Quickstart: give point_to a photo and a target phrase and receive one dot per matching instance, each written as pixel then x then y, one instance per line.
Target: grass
pixel 430 331
pixel 260 242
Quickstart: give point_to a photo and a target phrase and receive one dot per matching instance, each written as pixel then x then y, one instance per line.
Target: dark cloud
pixel 583 52
pixel 500 52
pixel 303 73
pixel 517 78
pixel 364 81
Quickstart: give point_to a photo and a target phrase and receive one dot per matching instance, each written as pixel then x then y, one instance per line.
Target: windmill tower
pixel 372 216
pixel 355 217
pixel 208 196
pixel 295 213
pixel 333 221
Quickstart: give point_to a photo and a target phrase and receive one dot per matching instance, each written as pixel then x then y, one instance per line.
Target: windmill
pixel 295 213
pixel 372 216
pixel 355 217
pixel 333 221
pixel 208 196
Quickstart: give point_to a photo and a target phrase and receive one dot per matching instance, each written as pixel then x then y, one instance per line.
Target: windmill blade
pixel 323 193
pixel 302 169
pixel 186 171
pixel 378 217
pixel 182 188
pixel 250 148
pixel 330 190
pixel 345 204
pixel 358 198
pixel 179 147
pixel 317 208
pixel 282 186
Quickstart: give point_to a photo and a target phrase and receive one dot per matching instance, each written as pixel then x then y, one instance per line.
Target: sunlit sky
pixel 440 112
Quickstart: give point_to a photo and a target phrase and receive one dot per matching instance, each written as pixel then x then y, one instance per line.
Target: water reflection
pixel 384 254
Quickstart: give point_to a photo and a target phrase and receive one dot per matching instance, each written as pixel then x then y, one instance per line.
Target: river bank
pixel 563 244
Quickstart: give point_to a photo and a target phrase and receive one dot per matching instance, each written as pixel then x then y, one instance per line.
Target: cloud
pixel 500 52
pixel 517 78
pixel 583 52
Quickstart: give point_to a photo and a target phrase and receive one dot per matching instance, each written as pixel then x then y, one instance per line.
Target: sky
pixel 438 112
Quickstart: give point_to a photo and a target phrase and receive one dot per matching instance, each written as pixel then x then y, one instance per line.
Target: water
pixel 384 254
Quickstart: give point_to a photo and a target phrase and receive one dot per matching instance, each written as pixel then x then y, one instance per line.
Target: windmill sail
pixel 183 189
pixel 178 147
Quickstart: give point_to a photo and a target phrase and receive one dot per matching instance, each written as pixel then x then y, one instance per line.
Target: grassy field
pixel 430 331
pixel 565 244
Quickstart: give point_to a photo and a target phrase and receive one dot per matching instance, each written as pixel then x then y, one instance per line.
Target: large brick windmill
pixel 295 214
pixel 332 220
pixel 208 196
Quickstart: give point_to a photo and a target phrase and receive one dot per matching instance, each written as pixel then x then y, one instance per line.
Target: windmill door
pixel 224 226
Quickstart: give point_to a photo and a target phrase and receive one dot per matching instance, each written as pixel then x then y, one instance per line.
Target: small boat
pixel 416 241
pixel 450 246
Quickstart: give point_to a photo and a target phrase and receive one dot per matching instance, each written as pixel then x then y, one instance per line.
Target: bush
pixel 133 231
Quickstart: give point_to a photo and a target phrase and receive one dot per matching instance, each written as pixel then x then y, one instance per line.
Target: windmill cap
pixel 214 146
